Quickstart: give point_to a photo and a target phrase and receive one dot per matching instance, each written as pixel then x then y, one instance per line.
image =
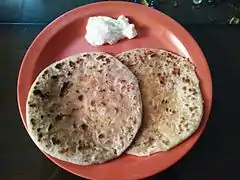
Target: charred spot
pixel 59 117
pixel 64 89
pixel 101 136
pixel 108 60
pixel 72 64
pixel 32 105
pixel 184 88
pixel 86 55
pixel 117 110
pixel 102 90
pixel 115 151
pixel 74 125
pixel 69 73
pixel 37 83
pixel 173 111
pixel 192 108
pixel 100 71
pixel 77 91
pixel 45 73
pixel 92 102
pixel 164 101
pixel 151 139
pixel 123 81
pixel 166 142
pixel 187 81
pixel 41 116
pixel 80 97
pixel 167 109
pixel 38 129
pixel 74 109
pixel 50 127
pixel 59 65
pixel 62 151
pixel 79 60
pixel 176 71
pixel 40 135
pixel 100 57
pixel 48 115
pixel 54 77
pixel 84 126
pixel 153 55
pixel 32 121
pixel 38 92
pixel 55 141
pixel 112 89
pixel 134 121
pixel 103 103
pixel 162 82
pixel 169 55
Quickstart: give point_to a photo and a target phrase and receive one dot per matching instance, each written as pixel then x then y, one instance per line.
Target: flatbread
pixel 172 100
pixel 84 109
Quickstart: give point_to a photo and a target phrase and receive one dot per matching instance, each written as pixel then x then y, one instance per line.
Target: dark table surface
pixel 216 154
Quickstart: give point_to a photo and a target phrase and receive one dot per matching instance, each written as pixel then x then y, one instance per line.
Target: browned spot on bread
pixel 59 117
pixel 59 65
pixel 50 127
pixel 176 71
pixel 38 92
pixel 80 97
pixel 32 121
pixel 72 64
pixel 64 89
pixel 92 102
pixel 108 60
pixel 54 77
pixel 100 71
pixel 55 141
pixel 32 105
pixel 69 73
pixel 62 151
pixel 86 55
pixel 101 57
pixel 101 136
pixel 153 55
pixel 79 60
pixel 84 126
pixel 40 135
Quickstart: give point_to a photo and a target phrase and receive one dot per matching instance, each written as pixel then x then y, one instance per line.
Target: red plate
pixel 65 37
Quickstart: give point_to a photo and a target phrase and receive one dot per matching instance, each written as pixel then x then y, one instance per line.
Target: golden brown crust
pixel 84 109
pixel 172 100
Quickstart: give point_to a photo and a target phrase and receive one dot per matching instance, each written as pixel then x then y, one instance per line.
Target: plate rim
pixel 91 5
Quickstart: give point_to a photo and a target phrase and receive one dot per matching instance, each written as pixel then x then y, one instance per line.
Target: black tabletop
pixel 214 157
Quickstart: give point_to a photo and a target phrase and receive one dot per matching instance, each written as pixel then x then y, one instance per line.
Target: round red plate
pixel 65 37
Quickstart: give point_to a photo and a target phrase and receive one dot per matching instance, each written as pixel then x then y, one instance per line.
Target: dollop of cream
pixel 106 30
